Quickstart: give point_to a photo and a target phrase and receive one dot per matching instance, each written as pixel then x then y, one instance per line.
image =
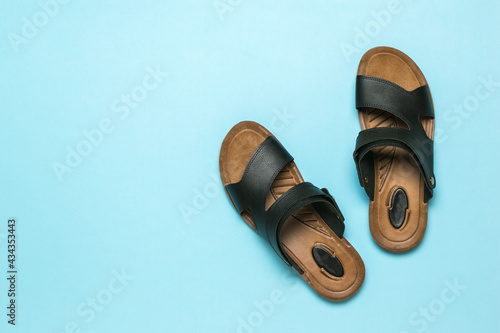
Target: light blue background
pixel 121 208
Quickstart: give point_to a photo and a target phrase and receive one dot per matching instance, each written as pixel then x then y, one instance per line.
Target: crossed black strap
pixel 409 106
pixel 251 191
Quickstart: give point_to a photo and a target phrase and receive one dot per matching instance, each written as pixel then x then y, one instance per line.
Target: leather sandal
pixel 301 222
pixel 394 150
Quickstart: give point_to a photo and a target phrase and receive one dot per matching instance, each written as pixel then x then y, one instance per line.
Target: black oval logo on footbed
pixel 399 206
pixel 328 262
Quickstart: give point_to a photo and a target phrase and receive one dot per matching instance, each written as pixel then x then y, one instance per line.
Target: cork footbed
pixel 394 167
pixel 303 230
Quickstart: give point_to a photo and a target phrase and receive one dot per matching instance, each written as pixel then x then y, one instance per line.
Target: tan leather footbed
pixel 394 167
pixel 304 229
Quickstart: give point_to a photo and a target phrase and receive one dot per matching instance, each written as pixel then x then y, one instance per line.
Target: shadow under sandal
pixel 301 222
pixel 394 152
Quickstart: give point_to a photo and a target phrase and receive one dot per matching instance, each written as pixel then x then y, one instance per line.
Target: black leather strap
pixel 409 106
pixel 374 92
pixel 294 199
pixel 251 192
pixel 264 165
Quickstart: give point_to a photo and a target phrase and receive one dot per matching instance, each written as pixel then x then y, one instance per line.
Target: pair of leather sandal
pixel 394 159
